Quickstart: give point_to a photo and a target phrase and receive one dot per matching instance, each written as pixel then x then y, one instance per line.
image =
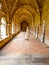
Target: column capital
pixel 8 23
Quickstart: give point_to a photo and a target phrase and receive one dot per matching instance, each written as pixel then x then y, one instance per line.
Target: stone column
pixel 7 29
pixel 27 34
pixel 37 31
pixel 0 28
pixel 43 33
pixel 15 24
pixel 14 28
pixel 10 29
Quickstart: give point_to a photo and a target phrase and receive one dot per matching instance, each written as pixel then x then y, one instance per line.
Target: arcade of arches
pixel 15 17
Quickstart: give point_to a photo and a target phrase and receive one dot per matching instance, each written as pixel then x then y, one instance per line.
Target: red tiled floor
pixel 21 46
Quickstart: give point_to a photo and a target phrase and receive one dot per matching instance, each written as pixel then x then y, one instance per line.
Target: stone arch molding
pixel 26 11
pixel 30 9
pixel 20 3
pixel 24 16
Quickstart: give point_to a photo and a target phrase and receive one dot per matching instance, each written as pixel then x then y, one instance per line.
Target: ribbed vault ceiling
pixel 20 7
pixel 12 5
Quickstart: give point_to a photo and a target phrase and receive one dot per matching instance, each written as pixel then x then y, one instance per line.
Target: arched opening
pixel 24 25
pixel 3 27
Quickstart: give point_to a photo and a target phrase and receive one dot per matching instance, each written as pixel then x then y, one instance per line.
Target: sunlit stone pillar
pixel 7 29
pixel 43 32
pixel 14 24
pixel 15 28
pixel 10 29
pixel 27 34
pixel 0 28
pixel 37 31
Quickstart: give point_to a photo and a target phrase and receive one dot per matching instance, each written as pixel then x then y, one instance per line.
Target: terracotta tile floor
pixel 21 46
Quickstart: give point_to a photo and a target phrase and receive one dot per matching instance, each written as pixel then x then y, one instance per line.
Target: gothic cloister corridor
pixel 24 32
pixel 18 47
pixel 21 46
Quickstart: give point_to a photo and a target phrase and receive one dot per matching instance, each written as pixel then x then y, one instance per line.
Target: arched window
pixel 3 28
